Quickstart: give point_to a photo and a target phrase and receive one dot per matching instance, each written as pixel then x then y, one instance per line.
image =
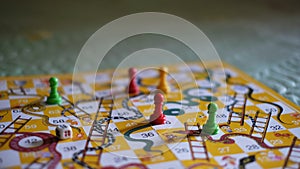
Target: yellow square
pixel 12 84
pixel 203 105
pixel 119 145
pixel 150 81
pixel 238 80
pixel 200 75
pixel 292 119
pixel 201 118
pixel 102 86
pixel 6 145
pixel 144 89
pixel 218 148
pixel 202 164
pixel 237 128
pixel 3 95
pixel 21 102
pixel 190 118
pixel 174 96
pixel 34 125
pixel 15 167
pixel 146 110
pixel 124 126
pixel 6 116
pixel 27 157
pixel 263 97
pixel 251 110
pixel 280 138
pixel 53 111
pixel 269 158
pixel 43 91
pixel 87 120
pixel 78 97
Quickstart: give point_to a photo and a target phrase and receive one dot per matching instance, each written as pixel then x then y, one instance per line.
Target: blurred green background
pixel 260 37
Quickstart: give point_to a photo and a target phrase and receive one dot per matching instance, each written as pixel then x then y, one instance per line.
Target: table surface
pixel 261 38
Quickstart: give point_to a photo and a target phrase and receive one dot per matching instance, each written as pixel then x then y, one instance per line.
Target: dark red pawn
pixel 133 88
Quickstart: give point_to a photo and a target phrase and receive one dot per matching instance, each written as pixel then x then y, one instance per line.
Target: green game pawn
pixel 211 127
pixel 54 97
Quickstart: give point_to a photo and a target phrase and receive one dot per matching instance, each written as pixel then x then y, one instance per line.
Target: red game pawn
pixel 158 117
pixel 133 88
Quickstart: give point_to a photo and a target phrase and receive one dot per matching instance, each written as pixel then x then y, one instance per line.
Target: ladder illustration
pixel 97 138
pixel 260 126
pixel 294 153
pixel 12 128
pixel 39 162
pixel 197 144
pixel 239 108
pixel 74 110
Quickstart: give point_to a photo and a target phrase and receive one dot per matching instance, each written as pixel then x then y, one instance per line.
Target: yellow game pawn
pixel 163 84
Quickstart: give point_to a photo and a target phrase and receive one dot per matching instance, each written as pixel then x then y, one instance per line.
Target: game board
pixel 258 128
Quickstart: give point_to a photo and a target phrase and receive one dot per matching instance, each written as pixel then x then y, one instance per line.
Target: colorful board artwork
pixel 258 127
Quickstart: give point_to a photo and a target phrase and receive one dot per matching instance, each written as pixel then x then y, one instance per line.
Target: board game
pixel 257 127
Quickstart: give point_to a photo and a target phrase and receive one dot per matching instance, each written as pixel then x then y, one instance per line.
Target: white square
pixel 99 78
pixel 222 115
pixel 142 100
pixel 103 93
pixel 191 67
pixel 185 108
pixel 150 135
pixel 67 149
pixel 295 131
pixel 268 108
pixel 166 165
pixel 256 88
pixel 226 100
pixel 3 85
pixel 119 158
pixel 38 83
pixel 4 104
pixel 119 114
pixel 247 144
pixel 86 129
pixel 181 150
pixel 6 157
pixel 89 107
pixel 179 77
pixel 171 122
pixel 274 125
pixel 30 91
pixel 148 73
pixel 71 89
pixel 86 87
pixel 240 89
pixel 286 109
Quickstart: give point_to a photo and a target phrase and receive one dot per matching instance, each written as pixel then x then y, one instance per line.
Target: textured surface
pixel 261 38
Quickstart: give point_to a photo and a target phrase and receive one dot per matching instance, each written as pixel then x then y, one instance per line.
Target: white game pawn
pixel 64 131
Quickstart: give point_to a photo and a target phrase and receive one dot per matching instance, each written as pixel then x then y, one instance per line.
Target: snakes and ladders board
pixel 257 127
